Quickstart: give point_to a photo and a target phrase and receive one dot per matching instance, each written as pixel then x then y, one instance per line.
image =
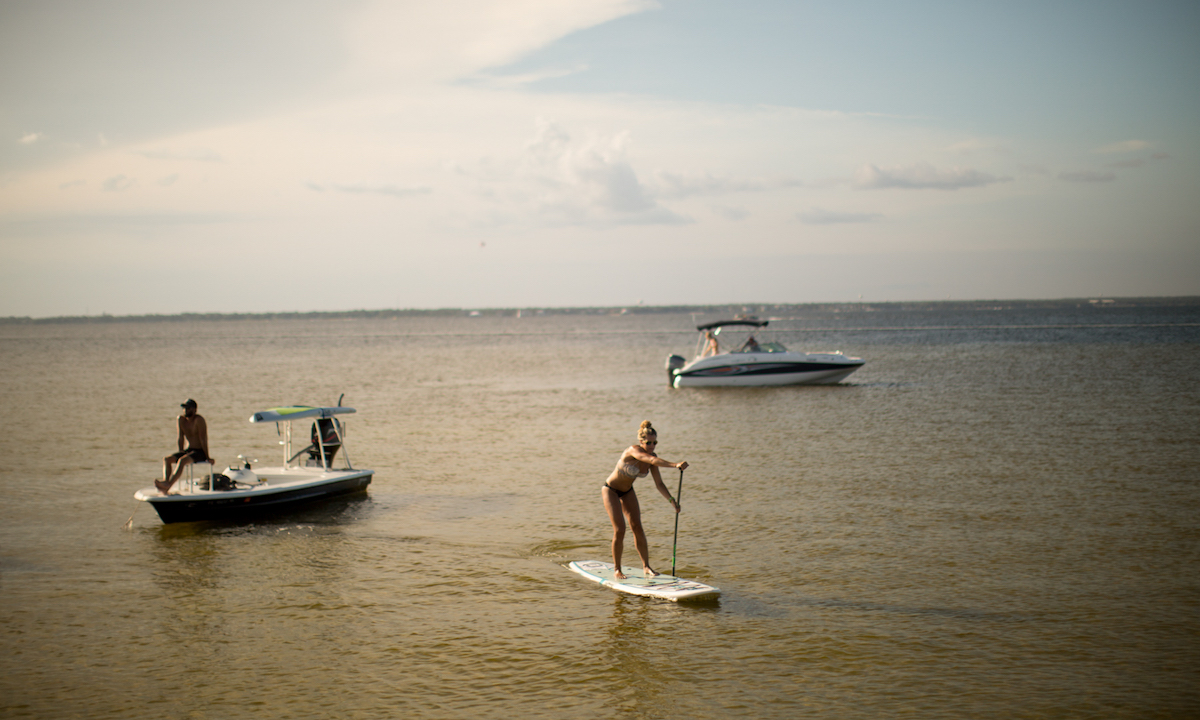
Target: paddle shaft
pixel 675 542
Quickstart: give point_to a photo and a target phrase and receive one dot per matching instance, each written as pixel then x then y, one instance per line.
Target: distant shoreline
pixel 729 309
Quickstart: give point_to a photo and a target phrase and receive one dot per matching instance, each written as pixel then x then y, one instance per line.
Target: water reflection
pixel 644 664
pixel 220 579
pixel 630 657
pixel 189 570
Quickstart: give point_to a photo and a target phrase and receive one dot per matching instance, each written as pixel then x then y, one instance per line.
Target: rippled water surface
pixel 997 517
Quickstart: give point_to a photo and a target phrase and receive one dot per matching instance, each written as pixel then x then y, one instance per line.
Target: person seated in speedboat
pixel 751 345
pixel 710 347
pixel 194 430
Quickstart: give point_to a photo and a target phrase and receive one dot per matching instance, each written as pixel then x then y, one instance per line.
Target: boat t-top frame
pixel 723 323
pixel 285 415
pixel 750 345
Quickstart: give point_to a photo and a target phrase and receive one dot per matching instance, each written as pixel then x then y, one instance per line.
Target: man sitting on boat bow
pixel 194 430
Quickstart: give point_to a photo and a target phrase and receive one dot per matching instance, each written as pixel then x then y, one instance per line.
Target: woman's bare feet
pixel 163 486
pixel 649 572
pixel 620 575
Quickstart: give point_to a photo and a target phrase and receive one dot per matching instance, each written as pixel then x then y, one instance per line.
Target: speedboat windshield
pixel 765 347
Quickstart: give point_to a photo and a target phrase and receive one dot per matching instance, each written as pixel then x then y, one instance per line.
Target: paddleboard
pixel 667 587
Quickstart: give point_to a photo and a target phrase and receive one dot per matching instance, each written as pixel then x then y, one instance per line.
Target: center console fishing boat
pixel 748 362
pixel 241 490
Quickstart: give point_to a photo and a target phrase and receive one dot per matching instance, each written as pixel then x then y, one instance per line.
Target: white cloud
pixel 197 155
pixel 30 138
pixel 559 180
pixel 966 147
pixel 453 39
pixel 681 185
pixel 731 213
pixel 921 176
pixel 1087 176
pixel 365 189
pixel 1130 163
pixel 1122 147
pixel 818 216
pixel 517 81
pixel 118 183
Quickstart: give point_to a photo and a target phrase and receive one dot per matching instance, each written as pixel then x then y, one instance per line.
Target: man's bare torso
pixel 195 431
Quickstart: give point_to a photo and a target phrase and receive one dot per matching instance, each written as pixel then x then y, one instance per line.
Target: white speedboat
pixel 748 362
pixel 242 491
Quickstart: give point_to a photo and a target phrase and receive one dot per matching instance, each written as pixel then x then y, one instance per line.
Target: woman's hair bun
pixel 646 429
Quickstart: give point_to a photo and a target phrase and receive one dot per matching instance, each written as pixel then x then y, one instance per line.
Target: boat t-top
pixel 306 476
pixel 748 362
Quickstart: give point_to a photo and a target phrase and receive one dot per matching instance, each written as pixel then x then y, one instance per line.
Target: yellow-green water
pixel 983 522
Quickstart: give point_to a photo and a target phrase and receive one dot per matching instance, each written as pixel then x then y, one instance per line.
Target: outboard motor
pixel 329 437
pixel 675 363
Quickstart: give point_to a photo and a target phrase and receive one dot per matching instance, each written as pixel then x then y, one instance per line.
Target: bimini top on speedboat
pixel 241 491
pixel 747 362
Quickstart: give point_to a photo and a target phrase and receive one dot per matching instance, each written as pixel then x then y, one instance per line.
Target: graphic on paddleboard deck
pixel 667 587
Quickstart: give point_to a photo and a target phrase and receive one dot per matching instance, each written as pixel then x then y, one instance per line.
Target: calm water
pixel 997 517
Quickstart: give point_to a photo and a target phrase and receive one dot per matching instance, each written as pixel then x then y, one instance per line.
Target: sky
pixel 161 157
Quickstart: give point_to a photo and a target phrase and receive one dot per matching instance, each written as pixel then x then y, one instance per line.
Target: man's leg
pixel 183 462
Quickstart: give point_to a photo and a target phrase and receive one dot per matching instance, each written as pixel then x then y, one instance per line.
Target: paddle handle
pixel 675 542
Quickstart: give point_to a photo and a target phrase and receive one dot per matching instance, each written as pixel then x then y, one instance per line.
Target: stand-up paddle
pixel 678 502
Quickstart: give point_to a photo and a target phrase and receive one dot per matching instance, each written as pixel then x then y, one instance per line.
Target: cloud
pixel 1122 147
pixel 966 147
pixel 1130 163
pixel 731 213
pixel 818 216
pixel 520 80
pixel 30 138
pixel 362 189
pixel 921 176
pixel 455 39
pixel 599 172
pixel 390 190
pixel 1087 176
pixel 681 185
pixel 198 155
pixel 169 180
pixel 561 180
pixel 118 183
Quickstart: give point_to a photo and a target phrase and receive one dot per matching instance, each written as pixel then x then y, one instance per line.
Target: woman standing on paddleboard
pixel 621 501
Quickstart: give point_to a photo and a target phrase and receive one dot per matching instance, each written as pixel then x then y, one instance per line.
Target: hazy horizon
pixel 726 308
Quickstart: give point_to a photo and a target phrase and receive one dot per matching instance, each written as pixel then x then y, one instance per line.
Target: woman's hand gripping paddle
pixel 675 542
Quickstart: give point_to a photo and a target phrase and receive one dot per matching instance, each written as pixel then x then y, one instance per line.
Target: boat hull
pixel 766 369
pixel 270 497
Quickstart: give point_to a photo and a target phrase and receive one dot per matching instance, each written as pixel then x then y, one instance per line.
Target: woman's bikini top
pixel 633 470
